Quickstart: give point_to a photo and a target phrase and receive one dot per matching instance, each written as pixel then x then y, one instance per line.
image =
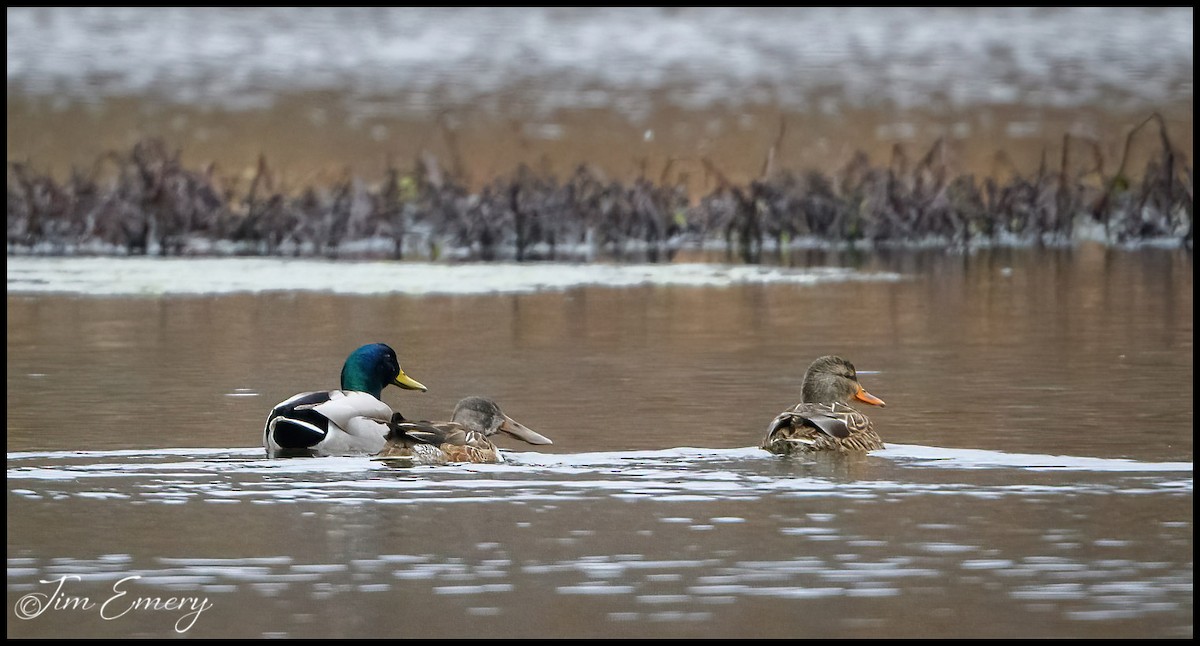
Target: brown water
pixel 1038 476
pixel 1037 483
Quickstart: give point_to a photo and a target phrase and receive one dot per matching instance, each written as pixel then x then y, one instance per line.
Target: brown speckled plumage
pixel 438 443
pixel 466 438
pixel 823 421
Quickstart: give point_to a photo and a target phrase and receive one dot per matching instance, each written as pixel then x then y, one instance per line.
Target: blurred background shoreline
pixel 889 185
pixel 324 91
pixel 528 133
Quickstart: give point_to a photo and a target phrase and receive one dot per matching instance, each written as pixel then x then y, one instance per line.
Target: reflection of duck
pixel 823 421
pixel 352 420
pixel 465 438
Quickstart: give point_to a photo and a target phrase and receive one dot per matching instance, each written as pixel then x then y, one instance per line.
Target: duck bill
pixel 864 396
pixel 408 383
pixel 521 432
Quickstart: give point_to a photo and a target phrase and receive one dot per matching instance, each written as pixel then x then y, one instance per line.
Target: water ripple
pixel 681 475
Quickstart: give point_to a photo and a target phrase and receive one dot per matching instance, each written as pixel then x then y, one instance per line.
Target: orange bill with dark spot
pixel 864 396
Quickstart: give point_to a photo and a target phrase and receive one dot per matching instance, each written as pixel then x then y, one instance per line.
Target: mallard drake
pixel 465 438
pixel 349 421
pixel 823 421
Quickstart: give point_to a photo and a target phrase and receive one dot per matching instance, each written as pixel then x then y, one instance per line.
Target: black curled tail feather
pixel 295 424
pixel 297 431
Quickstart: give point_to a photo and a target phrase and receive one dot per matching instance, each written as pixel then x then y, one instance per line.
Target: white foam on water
pixel 595 589
pixel 110 462
pixel 932 456
pixel 678 475
pixel 206 276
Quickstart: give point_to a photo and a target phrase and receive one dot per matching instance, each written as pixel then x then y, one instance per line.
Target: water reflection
pixel 1008 503
pixel 656 540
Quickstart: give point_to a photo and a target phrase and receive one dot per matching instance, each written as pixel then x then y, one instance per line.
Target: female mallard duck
pixel 823 421
pixel 465 438
pixel 349 421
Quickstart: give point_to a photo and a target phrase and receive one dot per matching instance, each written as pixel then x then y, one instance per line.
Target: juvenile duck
pixel 465 438
pixel 348 421
pixel 823 420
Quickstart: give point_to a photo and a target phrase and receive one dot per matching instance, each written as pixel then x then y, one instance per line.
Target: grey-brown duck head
pixel 484 415
pixel 833 379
